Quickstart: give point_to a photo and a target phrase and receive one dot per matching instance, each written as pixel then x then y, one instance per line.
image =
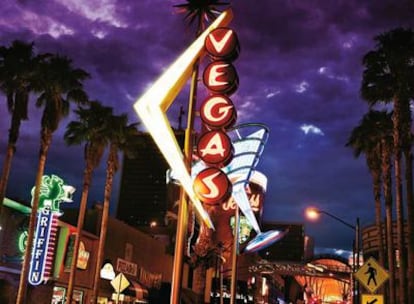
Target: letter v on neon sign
pixel 219 45
pixel 153 105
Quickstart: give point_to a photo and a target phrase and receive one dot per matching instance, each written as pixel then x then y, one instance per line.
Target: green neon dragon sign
pixel 53 192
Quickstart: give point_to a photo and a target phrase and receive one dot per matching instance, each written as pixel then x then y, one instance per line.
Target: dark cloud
pixel 300 64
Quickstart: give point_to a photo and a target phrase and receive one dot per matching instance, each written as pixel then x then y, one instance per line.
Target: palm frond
pixel 200 12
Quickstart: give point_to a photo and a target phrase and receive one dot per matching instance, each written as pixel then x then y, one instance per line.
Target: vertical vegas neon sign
pixel 53 191
pixel 217 112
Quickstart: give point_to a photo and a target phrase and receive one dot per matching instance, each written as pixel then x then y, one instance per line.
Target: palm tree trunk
pixel 400 231
pixel 104 222
pixel 200 273
pixel 390 253
pixel 5 173
pixel 410 223
pixel 397 120
pixel 87 177
pixel 44 147
pixel 378 215
pixel 387 185
pixel 400 234
pixel 11 148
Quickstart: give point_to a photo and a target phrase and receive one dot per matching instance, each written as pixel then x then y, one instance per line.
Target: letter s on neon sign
pixel 212 186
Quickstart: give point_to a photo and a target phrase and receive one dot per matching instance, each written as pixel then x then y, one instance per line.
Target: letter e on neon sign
pixel 221 77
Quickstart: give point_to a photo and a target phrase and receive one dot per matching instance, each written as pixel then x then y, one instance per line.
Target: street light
pixel 314 213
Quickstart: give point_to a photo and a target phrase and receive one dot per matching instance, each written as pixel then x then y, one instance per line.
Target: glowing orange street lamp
pixel 313 214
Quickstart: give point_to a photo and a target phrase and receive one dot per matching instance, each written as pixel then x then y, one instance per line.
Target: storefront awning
pixel 139 292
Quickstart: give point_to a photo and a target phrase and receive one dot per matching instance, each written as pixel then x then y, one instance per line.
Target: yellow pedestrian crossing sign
pixel 372 299
pixel 120 282
pixel 371 275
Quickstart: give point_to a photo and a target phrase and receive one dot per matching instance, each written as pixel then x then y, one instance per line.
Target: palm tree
pixel 373 137
pixel 58 84
pixel 366 138
pixel 206 255
pixel 120 136
pixel 17 65
pixel 201 13
pixel 388 77
pixel 387 143
pixel 198 11
pixel 88 129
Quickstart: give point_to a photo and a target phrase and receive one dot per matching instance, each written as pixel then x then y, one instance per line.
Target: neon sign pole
pixel 218 114
pixel 151 107
pixel 182 215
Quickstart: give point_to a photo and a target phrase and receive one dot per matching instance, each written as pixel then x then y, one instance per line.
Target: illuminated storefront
pixel 14 235
pixel 123 249
pixel 127 251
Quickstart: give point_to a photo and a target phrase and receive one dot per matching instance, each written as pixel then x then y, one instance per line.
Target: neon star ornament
pixel 152 106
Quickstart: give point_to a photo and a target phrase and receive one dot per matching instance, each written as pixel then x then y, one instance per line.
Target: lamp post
pixel 313 213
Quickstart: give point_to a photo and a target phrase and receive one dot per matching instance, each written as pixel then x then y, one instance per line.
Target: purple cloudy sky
pixel 299 69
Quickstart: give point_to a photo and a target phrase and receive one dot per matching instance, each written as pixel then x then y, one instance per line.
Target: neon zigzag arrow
pixel 153 105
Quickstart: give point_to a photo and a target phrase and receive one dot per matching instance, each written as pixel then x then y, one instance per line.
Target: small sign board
pixel 126 267
pixel 120 282
pixel 372 299
pixel 371 275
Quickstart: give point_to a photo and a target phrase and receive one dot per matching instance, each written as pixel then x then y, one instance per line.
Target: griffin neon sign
pixel 53 192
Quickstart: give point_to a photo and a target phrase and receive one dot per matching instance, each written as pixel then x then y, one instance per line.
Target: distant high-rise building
pixel 143 190
pixel 291 248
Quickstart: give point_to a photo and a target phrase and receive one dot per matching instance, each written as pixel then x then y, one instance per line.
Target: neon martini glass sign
pixel 247 152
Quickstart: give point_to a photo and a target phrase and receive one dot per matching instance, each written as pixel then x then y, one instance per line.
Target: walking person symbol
pixel 372 273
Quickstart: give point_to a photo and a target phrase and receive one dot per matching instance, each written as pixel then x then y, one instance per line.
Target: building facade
pixel 140 257
pixel 370 247
pixel 143 195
